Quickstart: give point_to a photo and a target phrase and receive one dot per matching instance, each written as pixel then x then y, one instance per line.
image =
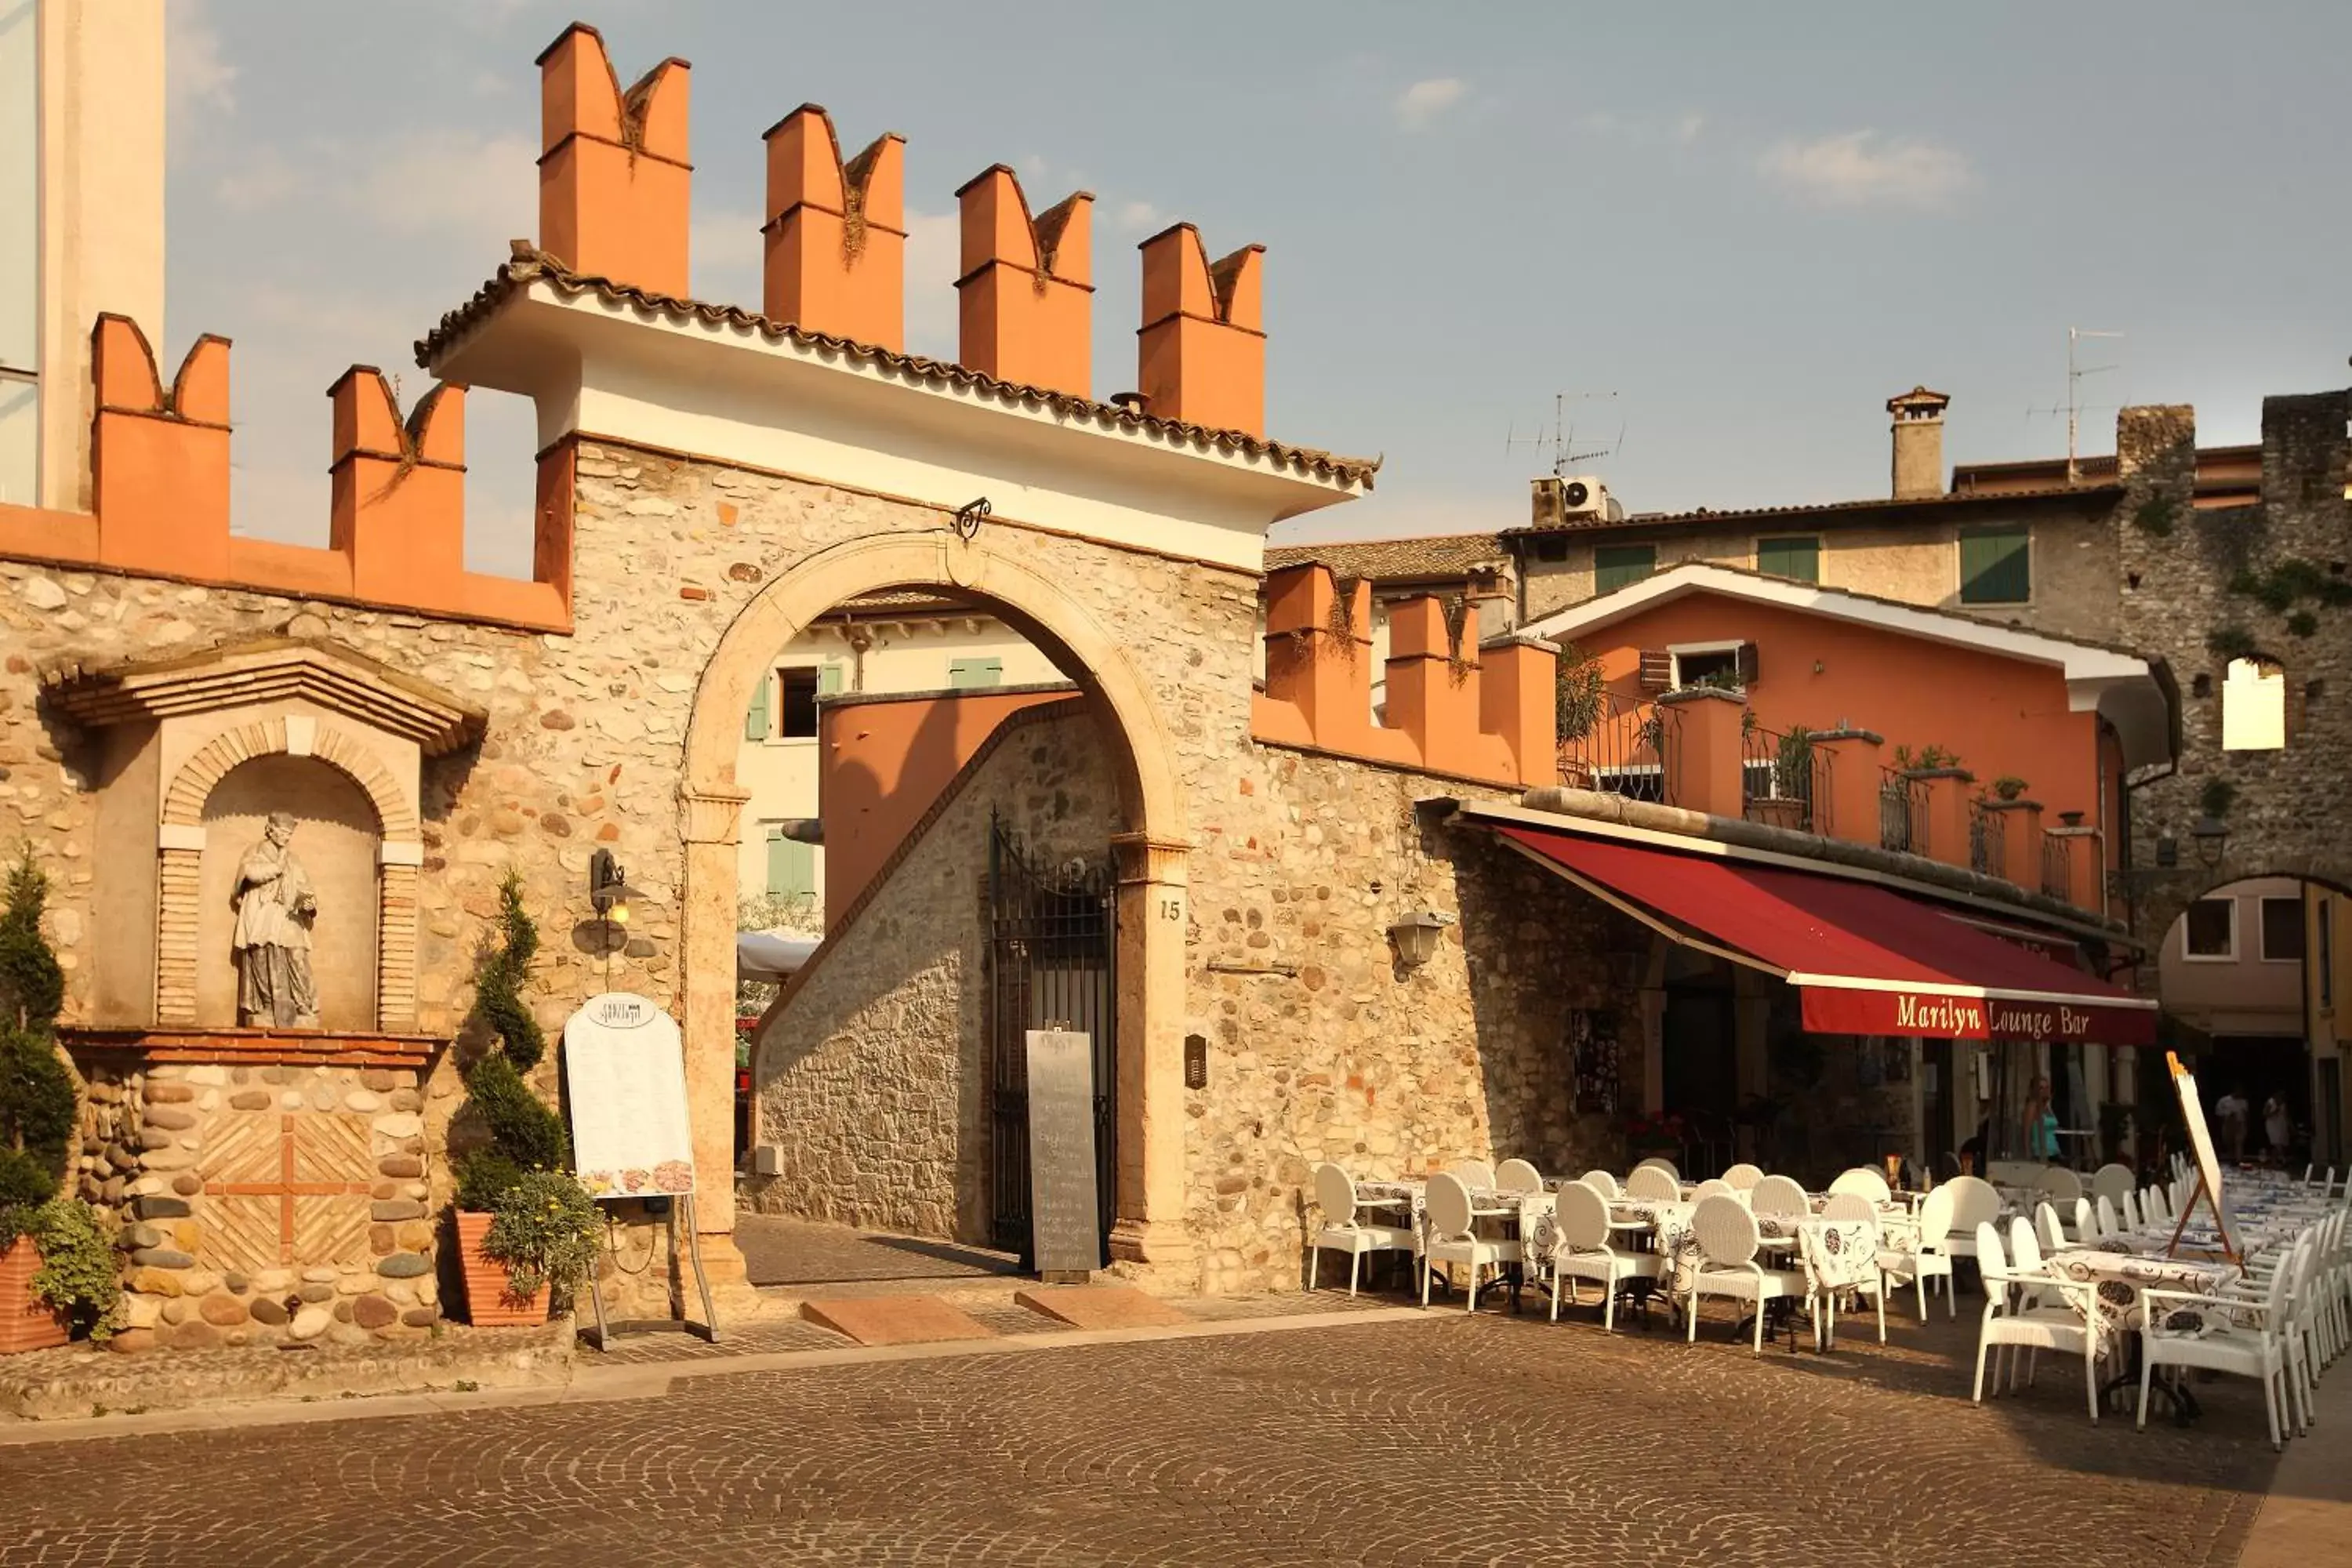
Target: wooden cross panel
pixel 287 1187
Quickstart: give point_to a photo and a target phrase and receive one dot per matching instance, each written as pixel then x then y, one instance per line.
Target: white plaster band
pixel 400 852
pixel 302 734
pixel 180 835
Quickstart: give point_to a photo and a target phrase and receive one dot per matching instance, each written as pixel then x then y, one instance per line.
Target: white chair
pixel 1452 1236
pixel 1335 1195
pixel 1663 1163
pixel 2111 1182
pixel 1974 1202
pixel 2155 1208
pixel 1778 1196
pixel 2016 1317
pixel 2252 1344
pixel 1849 1205
pixel 1652 1183
pixel 1584 1252
pixel 1604 1183
pixel 2127 1210
pixel 2061 1186
pixel 2108 1221
pixel 1726 1238
pixel 1743 1177
pixel 2086 1225
pixel 1929 1256
pixel 1476 1174
pixel 1862 1179
pixel 1714 1186
pixel 2054 1234
pixel 1517 1176
pixel 1872 1284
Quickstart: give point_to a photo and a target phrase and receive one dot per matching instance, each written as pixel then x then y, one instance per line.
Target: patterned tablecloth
pixel 2117 1280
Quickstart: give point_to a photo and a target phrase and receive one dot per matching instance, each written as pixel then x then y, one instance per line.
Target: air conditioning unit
pixel 1561 498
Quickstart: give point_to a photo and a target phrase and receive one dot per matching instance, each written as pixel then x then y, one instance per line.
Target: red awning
pixel 1866 961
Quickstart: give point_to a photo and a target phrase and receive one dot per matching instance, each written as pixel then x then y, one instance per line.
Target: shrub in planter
pixel 37 1110
pixel 526 1137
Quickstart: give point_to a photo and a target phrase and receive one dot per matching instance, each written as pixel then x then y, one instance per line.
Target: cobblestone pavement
pixel 1488 1439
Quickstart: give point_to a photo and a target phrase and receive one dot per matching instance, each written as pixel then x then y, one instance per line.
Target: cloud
pixel 457 188
pixel 265 178
pixel 1138 217
pixel 1688 128
pixel 1861 168
pixel 197 80
pixel 1418 106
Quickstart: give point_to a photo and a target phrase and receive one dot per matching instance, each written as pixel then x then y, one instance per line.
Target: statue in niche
pixel 275 905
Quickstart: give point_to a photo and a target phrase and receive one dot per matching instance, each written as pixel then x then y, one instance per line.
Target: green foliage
pixel 2008 786
pixel 1794 762
pixel 80 1275
pixel 2230 642
pixel 32 986
pixel 2156 515
pixel 497 989
pixel 2290 582
pixel 36 1094
pixel 1926 759
pixel 2217 797
pixel 2302 623
pixel 526 1137
pixel 1576 693
pixel 545 1230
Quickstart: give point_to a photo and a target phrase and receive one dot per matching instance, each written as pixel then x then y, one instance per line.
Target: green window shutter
pixel 755 717
pixel 1614 565
pixel 964 674
pixel 828 679
pixel 1996 566
pixel 1798 558
pixel 791 867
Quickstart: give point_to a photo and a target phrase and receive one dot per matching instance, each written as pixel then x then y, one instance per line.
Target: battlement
pixel 396 525
pixel 616 197
pixel 1484 714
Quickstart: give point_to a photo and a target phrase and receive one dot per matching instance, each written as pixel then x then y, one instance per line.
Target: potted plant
pixel 2008 786
pixel 37 1106
pixel 543 1232
pixel 525 1137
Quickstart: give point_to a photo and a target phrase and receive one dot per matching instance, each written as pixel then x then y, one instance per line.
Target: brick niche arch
pixel 181 844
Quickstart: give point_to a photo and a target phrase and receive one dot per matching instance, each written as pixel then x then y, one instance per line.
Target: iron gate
pixel 1052 938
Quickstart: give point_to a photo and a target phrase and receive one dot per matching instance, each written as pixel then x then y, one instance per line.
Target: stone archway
pixel 1151 855
pixel 181 837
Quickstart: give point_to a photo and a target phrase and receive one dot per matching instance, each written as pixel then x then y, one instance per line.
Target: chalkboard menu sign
pixel 1064 1215
pixel 624 1065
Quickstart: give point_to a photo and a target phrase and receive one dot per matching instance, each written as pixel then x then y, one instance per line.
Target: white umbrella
pixel 770 956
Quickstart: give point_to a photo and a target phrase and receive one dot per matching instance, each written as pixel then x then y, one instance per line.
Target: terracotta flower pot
pixel 491 1302
pixel 1778 810
pixel 27 1322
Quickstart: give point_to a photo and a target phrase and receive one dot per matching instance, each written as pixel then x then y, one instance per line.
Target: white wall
pixel 914 655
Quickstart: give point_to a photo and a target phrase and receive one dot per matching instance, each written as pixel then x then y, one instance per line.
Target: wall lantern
pixel 1416 935
pixel 2213 837
pixel 608 889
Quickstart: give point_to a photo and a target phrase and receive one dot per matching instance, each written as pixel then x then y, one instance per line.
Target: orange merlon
pixel 1025 294
pixel 1200 352
pixel 614 182
pixel 836 233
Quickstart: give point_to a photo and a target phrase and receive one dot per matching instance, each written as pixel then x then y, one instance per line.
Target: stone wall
pixel 2186 599
pixel 873 1077
pixel 263 1205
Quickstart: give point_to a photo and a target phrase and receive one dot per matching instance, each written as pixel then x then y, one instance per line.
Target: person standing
pixel 2277 1126
pixel 2041 1122
pixel 2231 1112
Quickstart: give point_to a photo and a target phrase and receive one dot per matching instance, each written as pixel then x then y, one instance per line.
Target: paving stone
pixel 893 1319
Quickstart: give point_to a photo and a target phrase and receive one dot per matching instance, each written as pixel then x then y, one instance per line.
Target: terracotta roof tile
pixel 529 265
pixel 1913 504
pixel 1391 560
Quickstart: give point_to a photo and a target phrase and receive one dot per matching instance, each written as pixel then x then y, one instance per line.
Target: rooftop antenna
pixel 2075 372
pixel 1559 434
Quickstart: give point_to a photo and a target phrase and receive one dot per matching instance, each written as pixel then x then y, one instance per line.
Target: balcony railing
pixel 1988 841
pixel 2057 869
pixel 1902 811
pixel 1784 780
pixel 1626 750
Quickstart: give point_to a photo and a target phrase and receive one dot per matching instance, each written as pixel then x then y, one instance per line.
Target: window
pixel 1798 556
pixel 792 865
pixel 2282 930
pixel 20 251
pixel 2213 933
pixel 2253 706
pixel 1614 565
pixel 968 674
pixel 1996 566
pixel 1707 666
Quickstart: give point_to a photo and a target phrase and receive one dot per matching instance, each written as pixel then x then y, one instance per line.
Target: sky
pixel 1725 233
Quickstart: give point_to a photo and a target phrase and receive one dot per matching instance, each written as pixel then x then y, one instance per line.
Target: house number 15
pixel 1172 909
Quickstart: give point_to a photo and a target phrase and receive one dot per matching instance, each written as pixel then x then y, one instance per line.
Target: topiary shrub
pixel 525 1134
pixel 36 1093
